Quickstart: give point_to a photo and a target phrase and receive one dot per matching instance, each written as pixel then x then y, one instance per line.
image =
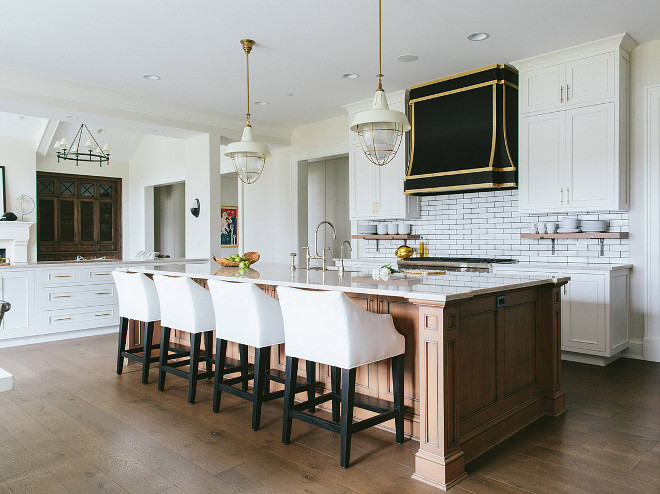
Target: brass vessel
pixel 404 252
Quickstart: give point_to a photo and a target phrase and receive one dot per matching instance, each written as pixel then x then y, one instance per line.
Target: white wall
pixel 19 159
pixel 116 169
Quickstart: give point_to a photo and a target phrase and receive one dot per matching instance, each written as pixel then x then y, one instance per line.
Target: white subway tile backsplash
pixel 488 224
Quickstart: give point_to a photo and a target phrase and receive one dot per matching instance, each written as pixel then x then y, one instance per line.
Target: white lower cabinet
pixel 18 290
pixel 594 311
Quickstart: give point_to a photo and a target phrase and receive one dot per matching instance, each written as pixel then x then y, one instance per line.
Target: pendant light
pixel 248 156
pixel 379 129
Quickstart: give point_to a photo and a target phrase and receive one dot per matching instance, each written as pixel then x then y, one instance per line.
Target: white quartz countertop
pixel 565 266
pixel 99 262
pixel 441 288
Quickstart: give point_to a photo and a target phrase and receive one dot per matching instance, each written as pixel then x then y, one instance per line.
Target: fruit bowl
pixel 252 257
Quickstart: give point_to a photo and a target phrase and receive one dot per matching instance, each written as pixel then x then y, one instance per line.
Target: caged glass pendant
pixel 379 129
pixel 248 156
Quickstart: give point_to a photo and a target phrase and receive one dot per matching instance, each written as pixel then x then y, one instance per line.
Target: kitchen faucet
pixel 341 256
pixel 316 255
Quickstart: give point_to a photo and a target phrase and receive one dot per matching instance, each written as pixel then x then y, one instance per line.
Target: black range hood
pixel 464 133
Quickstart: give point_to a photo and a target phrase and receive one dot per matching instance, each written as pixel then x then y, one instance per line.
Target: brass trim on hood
pixel 455 187
pixel 469 72
pixel 461 172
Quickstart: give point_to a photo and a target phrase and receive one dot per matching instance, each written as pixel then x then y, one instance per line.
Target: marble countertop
pixel 564 266
pixel 441 288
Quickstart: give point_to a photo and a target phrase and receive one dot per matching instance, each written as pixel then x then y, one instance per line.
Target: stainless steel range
pixel 478 264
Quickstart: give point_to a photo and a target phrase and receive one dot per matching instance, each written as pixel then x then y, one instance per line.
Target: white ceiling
pixel 22 127
pixel 302 45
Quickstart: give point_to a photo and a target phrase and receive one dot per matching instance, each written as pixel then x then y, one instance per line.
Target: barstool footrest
pixel 315 420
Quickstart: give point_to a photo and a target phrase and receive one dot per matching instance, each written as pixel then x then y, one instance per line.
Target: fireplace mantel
pixel 14 237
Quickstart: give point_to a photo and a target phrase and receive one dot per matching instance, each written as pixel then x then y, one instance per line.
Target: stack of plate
pixel 593 226
pixel 568 225
pixel 367 229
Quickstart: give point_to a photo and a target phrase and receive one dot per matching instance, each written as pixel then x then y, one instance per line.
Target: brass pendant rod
pixel 247 69
pixel 380 43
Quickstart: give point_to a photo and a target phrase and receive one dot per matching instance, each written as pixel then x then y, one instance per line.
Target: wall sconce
pixel 194 209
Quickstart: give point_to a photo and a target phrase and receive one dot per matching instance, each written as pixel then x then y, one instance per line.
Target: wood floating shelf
pixel 575 235
pixel 387 237
pixel 595 235
pixel 405 238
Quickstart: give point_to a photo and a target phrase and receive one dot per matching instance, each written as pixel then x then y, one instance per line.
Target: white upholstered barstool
pixel 247 316
pixel 138 301
pixel 185 306
pixel 326 327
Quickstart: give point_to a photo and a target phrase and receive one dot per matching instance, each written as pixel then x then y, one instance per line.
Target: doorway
pixel 323 195
pixel 170 219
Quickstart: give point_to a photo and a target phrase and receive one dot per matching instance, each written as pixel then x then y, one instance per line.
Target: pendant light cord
pixel 380 42
pixel 247 67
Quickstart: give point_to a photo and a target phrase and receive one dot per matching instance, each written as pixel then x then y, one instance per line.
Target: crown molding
pixel 60 93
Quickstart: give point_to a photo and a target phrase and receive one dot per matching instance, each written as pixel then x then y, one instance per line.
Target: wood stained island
pixel 482 353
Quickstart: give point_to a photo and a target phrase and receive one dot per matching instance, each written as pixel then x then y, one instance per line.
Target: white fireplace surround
pixel 14 236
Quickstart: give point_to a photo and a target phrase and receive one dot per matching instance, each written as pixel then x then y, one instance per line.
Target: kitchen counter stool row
pixel 319 327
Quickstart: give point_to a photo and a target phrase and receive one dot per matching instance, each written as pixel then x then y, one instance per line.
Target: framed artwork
pixel 229 226
pixel 3 192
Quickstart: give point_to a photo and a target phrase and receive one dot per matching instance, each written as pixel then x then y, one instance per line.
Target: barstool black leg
pixel 289 396
pixel 347 400
pixel 121 345
pixel 243 352
pixel 164 353
pixel 335 379
pixel 146 352
pixel 208 352
pixel 397 381
pixel 195 343
pixel 259 380
pixel 310 368
pixel 220 357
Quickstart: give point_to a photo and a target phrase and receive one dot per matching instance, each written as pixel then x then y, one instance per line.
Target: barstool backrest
pixel 326 327
pixel 184 304
pixel 138 298
pixel 245 314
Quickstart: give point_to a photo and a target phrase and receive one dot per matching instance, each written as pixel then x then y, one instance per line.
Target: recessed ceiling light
pixel 350 75
pixel 290 94
pixel 261 103
pixel 71 116
pixel 407 58
pixel 157 130
pixel 100 131
pixel 152 77
pixel 478 36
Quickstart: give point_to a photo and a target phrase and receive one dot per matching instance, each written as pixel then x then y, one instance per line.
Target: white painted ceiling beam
pixel 47 138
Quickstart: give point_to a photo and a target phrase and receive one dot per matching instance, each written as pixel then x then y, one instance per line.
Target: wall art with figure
pixel 229 226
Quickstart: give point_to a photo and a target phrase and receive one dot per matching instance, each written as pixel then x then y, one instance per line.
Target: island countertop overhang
pixel 448 287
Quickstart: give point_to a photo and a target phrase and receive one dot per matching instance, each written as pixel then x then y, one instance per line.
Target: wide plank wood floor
pixel 71 425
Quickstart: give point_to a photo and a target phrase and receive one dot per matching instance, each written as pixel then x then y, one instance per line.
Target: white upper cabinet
pixel 573 141
pixel 376 192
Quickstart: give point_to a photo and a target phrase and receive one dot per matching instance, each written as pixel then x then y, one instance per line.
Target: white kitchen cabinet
pixel 376 192
pixel 18 290
pixel 594 311
pixel 574 128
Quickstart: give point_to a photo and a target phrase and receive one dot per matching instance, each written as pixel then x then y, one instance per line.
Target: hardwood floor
pixel 71 425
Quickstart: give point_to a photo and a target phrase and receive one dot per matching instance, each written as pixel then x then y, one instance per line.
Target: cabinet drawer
pixel 60 276
pixel 77 296
pixel 54 321
pixel 98 274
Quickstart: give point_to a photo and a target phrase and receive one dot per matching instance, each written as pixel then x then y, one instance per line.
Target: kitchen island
pixel 482 352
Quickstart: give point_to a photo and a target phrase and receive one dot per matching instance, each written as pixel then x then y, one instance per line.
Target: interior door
pixel 543 89
pixel 583 312
pixel 542 161
pixel 590 157
pixel 590 79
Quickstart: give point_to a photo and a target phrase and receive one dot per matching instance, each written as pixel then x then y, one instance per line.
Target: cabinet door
pixel 583 312
pixel 542 89
pixel 362 185
pixel 542 160
pixel 590 79
pixel 590 157
pixel 18 290
pixel 390 199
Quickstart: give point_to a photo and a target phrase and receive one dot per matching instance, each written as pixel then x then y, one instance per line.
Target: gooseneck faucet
pixel 341 256
pixel 316 244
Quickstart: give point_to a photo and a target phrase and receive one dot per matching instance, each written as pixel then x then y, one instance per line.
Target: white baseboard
pixel 652 349
pixel 67 335
pixel 6 381
pixel 584 358
pixel 634 350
